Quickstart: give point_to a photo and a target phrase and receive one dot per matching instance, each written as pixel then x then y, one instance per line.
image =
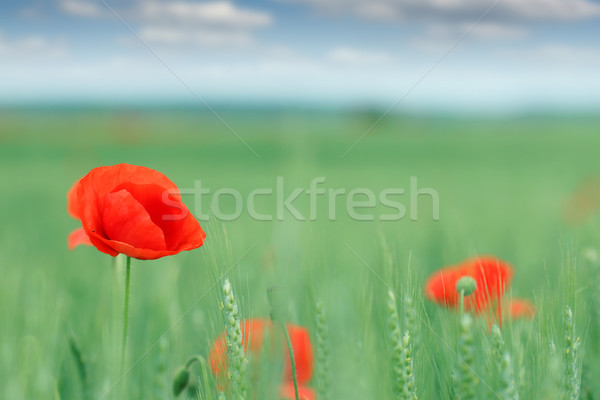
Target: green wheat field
pixel 503 186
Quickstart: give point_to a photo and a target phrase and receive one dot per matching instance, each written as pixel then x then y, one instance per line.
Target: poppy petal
pixel 167 211
pixel 93 188
pixel 125 220
pixel 492 276
pixel 288 392
pixel 521 308
pixel 441 287
pixel 73 201
pixel 78 237
pixel 302 354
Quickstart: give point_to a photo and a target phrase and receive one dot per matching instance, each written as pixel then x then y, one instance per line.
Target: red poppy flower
pixel 132 210
pixel 491 275
pixel 521 308
pixel 287 392
pixel 254 331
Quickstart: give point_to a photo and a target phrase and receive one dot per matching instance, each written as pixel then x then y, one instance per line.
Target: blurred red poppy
pixel 491 275
pixel 287 392
pixel 254 330
pixel 521 308
pixel 132 210
pixel 584 202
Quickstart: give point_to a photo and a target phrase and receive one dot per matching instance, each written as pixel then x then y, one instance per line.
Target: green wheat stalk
pixel 571 359
pixel 403 386
pixel 409 315
pixel 506 388
pixel 237 364
pixel 465 379
pixel 322 369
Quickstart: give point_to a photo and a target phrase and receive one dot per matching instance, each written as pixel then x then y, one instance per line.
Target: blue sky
pixel 522 54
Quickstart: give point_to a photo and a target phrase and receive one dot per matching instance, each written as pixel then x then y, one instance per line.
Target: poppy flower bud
pixel 181 380
pixel 466 285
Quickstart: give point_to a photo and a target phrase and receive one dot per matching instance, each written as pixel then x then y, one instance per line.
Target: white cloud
pixel 493 31
pixel 377 10
pixel 216 23
pixel 565 52
pixel 465 10
pixel 30 47
pixel 348 55
pixel 216 13
pixel 551 9
pixel 81 8
pixel 208 23
pixel 438 38
pixel 555 56
pixel 174 36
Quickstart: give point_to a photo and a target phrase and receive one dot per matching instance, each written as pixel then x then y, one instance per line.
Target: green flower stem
pixel 193 359
pixel 292 360
pixel 462 303
pixel 276 317
pixel 126 312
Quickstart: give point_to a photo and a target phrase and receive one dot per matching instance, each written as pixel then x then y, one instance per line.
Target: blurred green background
pixel 503 183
